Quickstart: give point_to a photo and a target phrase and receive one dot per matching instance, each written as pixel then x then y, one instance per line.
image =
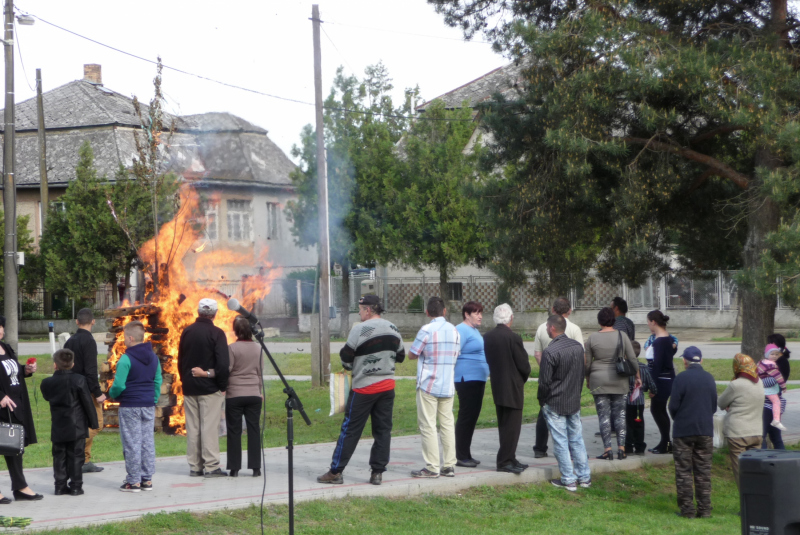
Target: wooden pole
pixel 44 191
pixel 322 184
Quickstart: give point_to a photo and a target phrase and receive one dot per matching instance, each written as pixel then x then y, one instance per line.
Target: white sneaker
pixel 776 423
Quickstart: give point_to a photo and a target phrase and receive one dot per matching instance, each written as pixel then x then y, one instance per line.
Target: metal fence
pixel 39 304
pixel 278 303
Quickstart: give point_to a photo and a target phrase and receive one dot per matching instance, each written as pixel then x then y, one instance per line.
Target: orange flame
pixel 179 294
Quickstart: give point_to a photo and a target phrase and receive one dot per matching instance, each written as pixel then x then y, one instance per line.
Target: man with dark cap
pixel 203 367
pixel 372 349
pixel 692 406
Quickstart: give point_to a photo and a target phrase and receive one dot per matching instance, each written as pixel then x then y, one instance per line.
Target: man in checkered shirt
pixel 437 346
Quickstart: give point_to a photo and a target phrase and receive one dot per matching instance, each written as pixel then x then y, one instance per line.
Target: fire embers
pixel 169 410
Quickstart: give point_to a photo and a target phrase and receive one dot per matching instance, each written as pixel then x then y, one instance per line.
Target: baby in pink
pixel 768 368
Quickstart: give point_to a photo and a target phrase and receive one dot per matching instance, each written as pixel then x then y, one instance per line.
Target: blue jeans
pixel 568 445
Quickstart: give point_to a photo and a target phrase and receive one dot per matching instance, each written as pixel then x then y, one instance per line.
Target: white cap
pixel 207 306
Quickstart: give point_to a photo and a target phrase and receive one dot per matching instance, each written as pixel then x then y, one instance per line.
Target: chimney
pixel 91 73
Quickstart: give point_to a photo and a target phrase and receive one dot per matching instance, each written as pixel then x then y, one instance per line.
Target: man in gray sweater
pixel 371 351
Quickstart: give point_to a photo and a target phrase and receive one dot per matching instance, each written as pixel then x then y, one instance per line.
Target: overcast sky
pixel 261 45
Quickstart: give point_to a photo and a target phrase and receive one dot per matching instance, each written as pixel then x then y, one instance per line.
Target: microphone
pixel 234 305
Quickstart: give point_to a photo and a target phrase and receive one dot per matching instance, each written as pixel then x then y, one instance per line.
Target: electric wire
pixel 242 88
pixel 19 54
pixel 386 30
pixel 337 50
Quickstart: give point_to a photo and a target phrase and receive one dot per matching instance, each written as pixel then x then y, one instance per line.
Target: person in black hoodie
pixel 72 413
pixel 203 362
pixel 137 386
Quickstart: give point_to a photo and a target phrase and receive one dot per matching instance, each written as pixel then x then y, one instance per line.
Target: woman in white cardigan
pixel 744 401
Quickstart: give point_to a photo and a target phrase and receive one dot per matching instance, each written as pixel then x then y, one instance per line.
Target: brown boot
pixel 330 477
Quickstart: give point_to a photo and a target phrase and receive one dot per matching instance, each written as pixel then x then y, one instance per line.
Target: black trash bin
pixel 770 492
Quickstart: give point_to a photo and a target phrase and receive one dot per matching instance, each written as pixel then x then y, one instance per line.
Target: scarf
pixel 744 367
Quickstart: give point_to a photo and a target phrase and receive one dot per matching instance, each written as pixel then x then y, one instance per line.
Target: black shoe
pixel 216 473
pixel 660 451
pixel 607 456
pixel 146 485
pixel 88 468
pixel 5 501
pixel 539 454
pixel 598 434
pixel 520 465
pixel 476 461
pixel 257 472
pixel 469 463
pixel 376 478
pixel 21 496
pixel 62 491
pixel 195 473
pixel 76 491
pixel 622 455
pixel 511 469
pixel 234 473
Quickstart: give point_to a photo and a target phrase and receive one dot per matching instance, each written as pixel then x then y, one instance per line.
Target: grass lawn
pixel 629 502
pixel 739 339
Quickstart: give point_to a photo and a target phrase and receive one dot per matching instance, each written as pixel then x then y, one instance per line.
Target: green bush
pixel 416 304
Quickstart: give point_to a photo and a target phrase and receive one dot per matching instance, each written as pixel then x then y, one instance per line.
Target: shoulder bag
pixel 12 438
pixel 624 367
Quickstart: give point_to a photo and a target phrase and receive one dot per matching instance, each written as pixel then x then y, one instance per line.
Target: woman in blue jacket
pixel 471 372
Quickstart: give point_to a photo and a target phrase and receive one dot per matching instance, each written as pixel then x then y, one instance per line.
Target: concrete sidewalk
pixel 174 490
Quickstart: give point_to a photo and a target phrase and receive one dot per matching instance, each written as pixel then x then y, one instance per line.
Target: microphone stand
pixel 293 403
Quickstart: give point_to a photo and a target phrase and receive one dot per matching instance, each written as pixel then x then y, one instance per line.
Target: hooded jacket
pixel 137 380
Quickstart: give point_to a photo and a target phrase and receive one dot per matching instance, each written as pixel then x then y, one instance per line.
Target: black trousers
pixel 14 462
pixel 68 460
pixel 509 425
pixel 378 407
pixel 542 433
pixel 658 409
pixel 634 438
pixel 470 402
pixel 250 407
pixel 774 434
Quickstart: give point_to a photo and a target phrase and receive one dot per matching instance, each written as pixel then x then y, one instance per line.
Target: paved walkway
pixel 174 490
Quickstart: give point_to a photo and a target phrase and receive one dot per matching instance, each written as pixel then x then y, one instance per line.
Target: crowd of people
pixel 212 374
pixel 456 360
pixel 451 361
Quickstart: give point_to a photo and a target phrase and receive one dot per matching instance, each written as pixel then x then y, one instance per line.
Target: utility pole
pixel 10 296
pixel 43 186
pixel 324 366
pixel 44 192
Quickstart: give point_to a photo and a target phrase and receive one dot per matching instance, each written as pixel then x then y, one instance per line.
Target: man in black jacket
pixel 84 347
pixel 509 368
pixel 72 412
pixel 203 367
pixel 692 406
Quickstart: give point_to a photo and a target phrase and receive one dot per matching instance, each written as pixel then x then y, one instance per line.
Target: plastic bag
pixel 719 429
pixel 635 394
pixel 340 389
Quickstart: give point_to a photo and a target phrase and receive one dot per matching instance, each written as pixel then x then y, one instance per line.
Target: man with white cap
pixel 203 367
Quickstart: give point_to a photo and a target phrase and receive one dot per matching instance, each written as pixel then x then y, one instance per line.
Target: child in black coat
pixel 72 413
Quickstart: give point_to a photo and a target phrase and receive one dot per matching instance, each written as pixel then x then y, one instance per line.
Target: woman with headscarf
pixel 743 400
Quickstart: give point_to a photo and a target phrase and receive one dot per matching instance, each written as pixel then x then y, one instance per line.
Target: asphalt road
pixel 711 350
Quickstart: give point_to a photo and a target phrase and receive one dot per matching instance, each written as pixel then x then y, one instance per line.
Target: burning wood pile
pixel 171 306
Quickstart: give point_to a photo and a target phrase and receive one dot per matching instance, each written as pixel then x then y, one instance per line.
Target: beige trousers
pixel 428 408
pixel 87 450
pixel 203 414
pixel 737 446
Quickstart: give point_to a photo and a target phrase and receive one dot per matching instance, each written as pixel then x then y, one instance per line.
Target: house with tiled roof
pixel 241 172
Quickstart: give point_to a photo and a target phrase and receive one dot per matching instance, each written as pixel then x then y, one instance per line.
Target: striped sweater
pixel 372 349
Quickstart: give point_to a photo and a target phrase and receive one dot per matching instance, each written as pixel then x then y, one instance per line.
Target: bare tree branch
pixel 724 129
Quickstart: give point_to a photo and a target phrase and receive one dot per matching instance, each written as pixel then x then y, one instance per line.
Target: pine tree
pixel 647 128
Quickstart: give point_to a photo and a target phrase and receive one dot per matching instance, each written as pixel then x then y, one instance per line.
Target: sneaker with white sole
pixel 146 484
pixel 127 487
pixel 572 487
pixel 424 473
pixel 585 484
pixel 778 425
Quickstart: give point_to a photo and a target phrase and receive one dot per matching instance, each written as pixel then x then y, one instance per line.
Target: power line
pixel 241 88
pixel 385 30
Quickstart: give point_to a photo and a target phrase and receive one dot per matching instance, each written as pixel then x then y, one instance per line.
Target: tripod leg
pixel 290 447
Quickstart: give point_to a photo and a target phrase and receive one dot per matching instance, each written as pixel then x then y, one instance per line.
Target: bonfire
pixel 171 305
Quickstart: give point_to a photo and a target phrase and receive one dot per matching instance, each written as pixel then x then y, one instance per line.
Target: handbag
pixel 624 367
pixel 12 438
